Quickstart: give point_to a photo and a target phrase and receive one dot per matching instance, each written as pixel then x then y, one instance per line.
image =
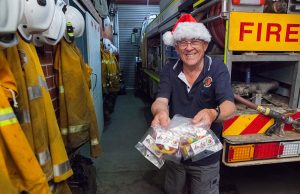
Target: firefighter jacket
pixel 104 78
pixel 17 159
pixel 110 72
pixel 78 122
pixel 48 143
pixel 30 111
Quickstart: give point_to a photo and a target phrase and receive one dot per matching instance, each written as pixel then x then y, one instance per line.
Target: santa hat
pixel 186 27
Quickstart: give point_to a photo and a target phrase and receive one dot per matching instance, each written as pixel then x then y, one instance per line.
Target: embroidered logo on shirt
pixel 207 82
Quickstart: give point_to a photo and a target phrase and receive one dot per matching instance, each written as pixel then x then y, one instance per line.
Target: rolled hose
pixel 217 27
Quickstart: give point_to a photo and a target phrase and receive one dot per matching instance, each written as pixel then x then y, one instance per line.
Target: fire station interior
pixel 78 78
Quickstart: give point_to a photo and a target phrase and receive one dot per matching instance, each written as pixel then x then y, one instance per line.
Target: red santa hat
pixel 186 27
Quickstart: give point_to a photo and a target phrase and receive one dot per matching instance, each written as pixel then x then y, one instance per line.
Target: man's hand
pixel 161 118
pixel 205 117
pixel 208 116
pixel 160 112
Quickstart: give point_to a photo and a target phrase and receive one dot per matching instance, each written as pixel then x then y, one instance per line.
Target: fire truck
pixel 259 42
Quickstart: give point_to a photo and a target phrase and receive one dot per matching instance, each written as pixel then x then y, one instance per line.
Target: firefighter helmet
pixel 75 23
pixel 11 12
pixel 56 30
pixel 37 17
pixel 8 40
pixel 37 41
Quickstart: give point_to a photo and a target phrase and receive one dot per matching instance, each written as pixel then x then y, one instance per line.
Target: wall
pixel 46 56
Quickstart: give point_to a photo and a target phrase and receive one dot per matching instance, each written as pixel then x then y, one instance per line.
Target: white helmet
pixel 8 40
pixel 37 17
pixel 75 23
pixel 36 41
pixel 56 30
pixel 11 12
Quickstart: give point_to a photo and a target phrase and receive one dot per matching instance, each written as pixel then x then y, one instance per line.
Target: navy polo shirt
pixel 211 88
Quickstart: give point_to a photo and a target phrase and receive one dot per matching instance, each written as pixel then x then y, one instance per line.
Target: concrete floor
pixel 122 169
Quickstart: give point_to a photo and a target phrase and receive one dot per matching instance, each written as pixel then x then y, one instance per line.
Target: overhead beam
pixel 91 9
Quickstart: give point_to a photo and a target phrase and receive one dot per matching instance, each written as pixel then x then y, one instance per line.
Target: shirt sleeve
pixel 223 89
pixel 165 88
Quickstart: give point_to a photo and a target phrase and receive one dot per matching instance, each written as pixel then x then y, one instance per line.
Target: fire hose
pixel 279 117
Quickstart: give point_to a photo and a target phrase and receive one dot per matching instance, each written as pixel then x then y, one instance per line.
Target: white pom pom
pixel 168 38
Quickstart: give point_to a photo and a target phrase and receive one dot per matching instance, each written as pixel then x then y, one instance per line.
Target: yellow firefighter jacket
pixel 110 72
pixel 16 156
pixel 30 111
pixel 78 122
pixel 48 143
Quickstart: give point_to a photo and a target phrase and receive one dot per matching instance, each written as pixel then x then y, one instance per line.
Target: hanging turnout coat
pixel 17 158
pixel 78 123
pixel 48 142
pixel 22 110
pixel 30 112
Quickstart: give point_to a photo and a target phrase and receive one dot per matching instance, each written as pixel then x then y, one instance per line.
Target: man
pixel 198 87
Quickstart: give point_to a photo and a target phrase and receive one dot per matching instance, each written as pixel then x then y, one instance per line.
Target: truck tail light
pixel 266 151
pixel 261 151
pixel 237 153
pixel 248 2
pixel 289 149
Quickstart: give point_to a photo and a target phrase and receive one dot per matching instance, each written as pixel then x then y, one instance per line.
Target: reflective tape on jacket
pixel 7 117
pixel 61 169
pixel 61 89
pixel 94 142
pixel 44 157
pixel 23 117
pixel 34 92
pixel 76 129
pixel 43 83
pixel 64 131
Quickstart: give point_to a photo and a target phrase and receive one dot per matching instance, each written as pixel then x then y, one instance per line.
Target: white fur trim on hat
pixel 168 38
pixel 187 30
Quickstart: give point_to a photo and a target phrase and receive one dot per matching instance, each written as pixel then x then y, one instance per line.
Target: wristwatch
pixel 217 109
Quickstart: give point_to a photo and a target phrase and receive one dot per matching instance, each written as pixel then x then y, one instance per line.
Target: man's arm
pixel 208 116
pixel 227 110
pixel 160 111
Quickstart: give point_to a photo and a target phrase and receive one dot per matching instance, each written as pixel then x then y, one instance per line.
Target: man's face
pixel 192 51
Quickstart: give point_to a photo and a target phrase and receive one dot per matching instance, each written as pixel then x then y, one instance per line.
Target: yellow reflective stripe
pixel 7 117
pixel 267 126
pixel 44 157
pixel 6 111
pixel 76 128
pixel 94 142
pixel 197 3
pixel 61 89
pixel 8 122
pixel 64 131
pixel 61 169
pixel 239 124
